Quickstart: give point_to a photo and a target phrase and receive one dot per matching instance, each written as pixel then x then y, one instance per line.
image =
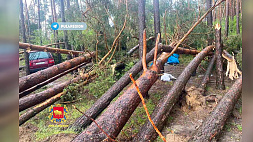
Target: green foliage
pixel 101 84
pixel 233 43
pixel 239 127
pixel 72 92
pixel 138 118
pixel 185 59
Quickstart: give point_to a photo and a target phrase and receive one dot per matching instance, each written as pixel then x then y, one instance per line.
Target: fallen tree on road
pixel 162 110
pixel 117 87
pixel 215 122
pixel 40 76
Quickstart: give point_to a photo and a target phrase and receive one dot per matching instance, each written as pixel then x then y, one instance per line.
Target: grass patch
pixel 42 122
pixel 138 118
pixel 185 59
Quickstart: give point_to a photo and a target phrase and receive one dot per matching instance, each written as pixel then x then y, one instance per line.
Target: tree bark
pixel 209 18
pixel 110 94
pixel 227 18
pixel 219 64
pixel 37 86
pixel 48 49
pixel 213 124
pixel 40 76
pixel 156 18
pixel 68 4
pixel 65 32
pixel 206 77
pixel 28 22
pixel 39 26
pixel 237 17
pixel 33 99
pixel 142 25
pixel 54 19
pixel 27 70
pixel 162 110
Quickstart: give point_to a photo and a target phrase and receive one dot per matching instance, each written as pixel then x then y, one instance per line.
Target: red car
pixel 40 60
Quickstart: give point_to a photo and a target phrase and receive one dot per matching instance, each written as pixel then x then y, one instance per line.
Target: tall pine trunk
pixel 39 26
pixel 227 18
pixel 54 17
pixel 156 18
pixel 142 26
pixel 28 22
pixel 209 18
pixel 237 17
pixel 27 70
pixel 65 32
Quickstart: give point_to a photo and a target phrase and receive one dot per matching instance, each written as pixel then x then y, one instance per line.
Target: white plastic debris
pixel 167 77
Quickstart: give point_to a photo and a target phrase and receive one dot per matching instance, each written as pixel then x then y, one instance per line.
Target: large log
pixel 162 110
pixel 219 64
pixel 37 109
pixel 117 114
pixel 28 91
pixel 111 93
pixel 49 49
pixel 40 76
pixel 214 123
pixel 37 98
pixel 206 77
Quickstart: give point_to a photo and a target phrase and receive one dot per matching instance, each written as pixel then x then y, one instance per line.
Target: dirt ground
pixel 182 120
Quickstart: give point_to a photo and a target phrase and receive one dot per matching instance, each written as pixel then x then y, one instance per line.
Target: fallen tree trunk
pixel 28 91
pixel 206 77
pixel 49 49
pixel 37 98
pixel 117 87
pixel 40 76
pixel 215 122
pixel 118 113
pixel 162 110
pixel 137 46
pixel 37 109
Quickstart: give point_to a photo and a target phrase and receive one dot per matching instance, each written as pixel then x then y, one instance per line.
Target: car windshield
pixel 38 55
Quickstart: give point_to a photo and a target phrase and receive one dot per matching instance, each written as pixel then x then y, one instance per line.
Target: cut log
pixel 162 110
pixel 206 77
pixel 117 114
pixel 131 51
pixel 28 91
pixel 218 54
pixel 37 109
pixel 82 122
pixel 215 122
pixel 49 49
pixel 34 99
pixel 40 76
